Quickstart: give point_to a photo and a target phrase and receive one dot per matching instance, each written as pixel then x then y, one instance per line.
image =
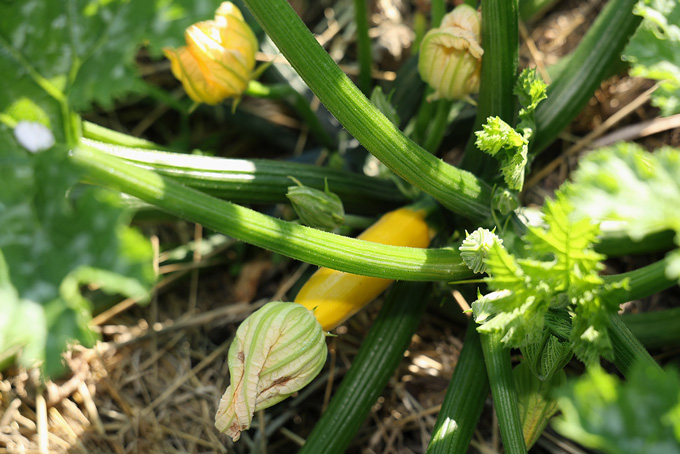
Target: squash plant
pixel 543 293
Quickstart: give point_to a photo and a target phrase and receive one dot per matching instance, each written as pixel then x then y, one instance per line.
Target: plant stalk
pixel 287 238
pixel 589 65
pixel 261 180
pixel 459 191
pixel 500 40
pixel 505 398
pixel 464 400
pixel 363 46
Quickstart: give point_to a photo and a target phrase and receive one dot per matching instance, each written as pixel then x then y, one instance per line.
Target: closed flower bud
pixel 219 58
pixel 277 351
pixel 320 209
pixel 475 248
pixel 450 58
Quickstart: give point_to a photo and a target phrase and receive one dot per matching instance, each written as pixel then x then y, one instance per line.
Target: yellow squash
pixel 335 296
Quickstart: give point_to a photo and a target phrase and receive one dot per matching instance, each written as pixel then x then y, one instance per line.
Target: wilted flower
pixel 450 58
pixel 320 209
pixel 219 58
pixel 277 351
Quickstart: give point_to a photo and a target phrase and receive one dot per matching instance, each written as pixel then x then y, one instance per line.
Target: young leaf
pixel 637 417
pixel 497 135
pixel 561 274
pixel 654 51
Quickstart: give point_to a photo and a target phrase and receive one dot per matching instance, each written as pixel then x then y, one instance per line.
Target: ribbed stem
pixel 378 358
pixel 261 180
pixel 363 46
pixel 296 241
pixel 500 40
pixel 655 329
pixel 505 398
pixel 589 64
pixel 627 349
pixel 642 282
pixel 460 191
pixel 464 400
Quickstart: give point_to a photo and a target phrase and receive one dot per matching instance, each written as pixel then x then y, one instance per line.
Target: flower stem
pixel 500 40
pixel 459 191
pixel 363 46
pixel 296 241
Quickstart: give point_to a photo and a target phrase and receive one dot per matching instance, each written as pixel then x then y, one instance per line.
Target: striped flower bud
pixel 218 60
pixel 277 351
pixel 450 59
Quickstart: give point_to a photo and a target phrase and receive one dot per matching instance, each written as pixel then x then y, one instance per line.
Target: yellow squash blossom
pixel 218 60
pixel 450 59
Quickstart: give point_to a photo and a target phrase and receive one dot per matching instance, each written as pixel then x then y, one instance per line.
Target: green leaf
pixel 530 90
pixel 561 273
pixel 625 183
pixel 654 51
pixel 636 417
pixel 637 190
pixel 497 135
pixel 85 49
pixel 56 239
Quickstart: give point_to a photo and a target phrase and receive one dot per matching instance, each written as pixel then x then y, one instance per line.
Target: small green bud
pixel 450 58
pixel 320 209
pixel 504 200
pixel 475 248
pixel 277 351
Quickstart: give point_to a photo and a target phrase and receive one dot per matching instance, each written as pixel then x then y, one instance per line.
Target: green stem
pixel 655 329
pixel 619 243
pixel 500 40
pixel 628 350
pixel 505 398
pixel 363 46
pixel 464 400
pixel 460 191
pixel 437 130
pixel 296 241
pixel 261 180
pixel 437 12
pixel 371 370
pixel 96 132
pixel 299 103
pixel 643 282
pixel 588 66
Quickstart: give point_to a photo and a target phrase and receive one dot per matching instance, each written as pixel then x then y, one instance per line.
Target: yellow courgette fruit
pixel 335 296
